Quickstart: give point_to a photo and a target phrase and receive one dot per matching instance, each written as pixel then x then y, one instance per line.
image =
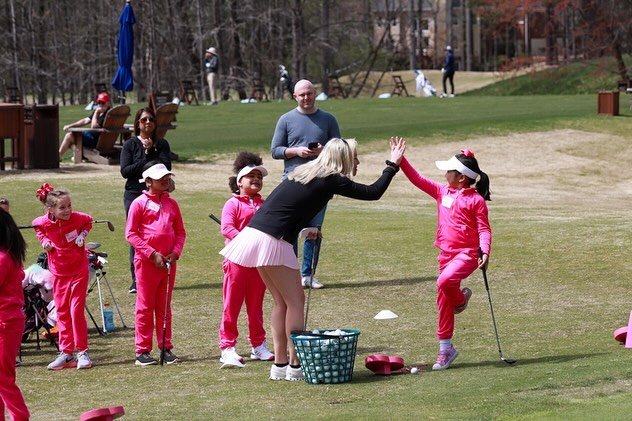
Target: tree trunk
pixel 326 44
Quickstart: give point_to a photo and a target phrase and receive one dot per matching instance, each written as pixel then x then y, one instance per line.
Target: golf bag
pixel 286 81
pixel 423 85
pixel 39 306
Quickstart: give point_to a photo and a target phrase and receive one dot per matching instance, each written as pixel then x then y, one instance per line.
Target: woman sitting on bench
pixel 89 139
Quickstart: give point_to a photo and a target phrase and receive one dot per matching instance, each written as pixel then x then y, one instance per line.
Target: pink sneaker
pixel 445 358
pixel 468 294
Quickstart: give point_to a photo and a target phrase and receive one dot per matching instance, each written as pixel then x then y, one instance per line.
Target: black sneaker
pixel 145 359
pixel 170 357
pixel 132 288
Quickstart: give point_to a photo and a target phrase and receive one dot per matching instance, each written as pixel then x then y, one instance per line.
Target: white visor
pixel 155 172
pixel 250 168
pixel 454 164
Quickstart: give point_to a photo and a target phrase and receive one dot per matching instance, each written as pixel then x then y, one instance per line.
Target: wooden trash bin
pixel 608 103
pixel 41 136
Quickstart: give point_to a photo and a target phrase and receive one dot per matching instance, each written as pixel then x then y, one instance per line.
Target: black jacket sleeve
pixel 374 191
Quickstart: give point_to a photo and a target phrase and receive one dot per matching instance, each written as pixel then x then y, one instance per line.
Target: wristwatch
pixel 392 165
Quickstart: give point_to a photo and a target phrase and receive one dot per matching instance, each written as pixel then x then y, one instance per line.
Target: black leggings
pixel 450 76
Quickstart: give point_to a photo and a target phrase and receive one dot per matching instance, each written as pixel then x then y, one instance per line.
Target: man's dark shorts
pixel 89 139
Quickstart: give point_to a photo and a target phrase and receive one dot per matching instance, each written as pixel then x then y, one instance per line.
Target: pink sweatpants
pixel 453 268
pixel 69 293
pixel 10 394
pixel 241 284
pixel 151 290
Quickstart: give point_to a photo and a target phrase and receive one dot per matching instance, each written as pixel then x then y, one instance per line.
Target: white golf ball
pixel 414 370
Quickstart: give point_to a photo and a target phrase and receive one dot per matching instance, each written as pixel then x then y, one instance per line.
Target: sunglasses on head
pixel 147 119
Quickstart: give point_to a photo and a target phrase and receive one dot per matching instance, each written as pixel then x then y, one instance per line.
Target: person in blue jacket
pixel 448 72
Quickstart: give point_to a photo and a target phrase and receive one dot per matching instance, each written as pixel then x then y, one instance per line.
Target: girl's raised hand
pixel 398 147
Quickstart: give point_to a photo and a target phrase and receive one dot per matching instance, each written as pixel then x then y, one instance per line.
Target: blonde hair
pixel 337 157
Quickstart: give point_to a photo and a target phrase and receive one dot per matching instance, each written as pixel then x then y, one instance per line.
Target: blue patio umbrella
pixel 123 79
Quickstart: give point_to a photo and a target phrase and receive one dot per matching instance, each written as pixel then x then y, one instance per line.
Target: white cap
pixel 454 164
pixel 211 50
pixel 155 172
pixel 250 168
pixel 448 48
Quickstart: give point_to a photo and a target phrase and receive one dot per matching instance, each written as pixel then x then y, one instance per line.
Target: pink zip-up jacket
pixel 11 293
pixel 463 221
pixel 154 223
pixel 237 212
pixel 67 258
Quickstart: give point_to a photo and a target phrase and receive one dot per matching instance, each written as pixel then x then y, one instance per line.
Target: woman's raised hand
pixel 398 147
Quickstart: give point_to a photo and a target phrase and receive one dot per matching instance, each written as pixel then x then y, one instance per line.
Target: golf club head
pixel 309 231
pixel 509 361
pixel 104 221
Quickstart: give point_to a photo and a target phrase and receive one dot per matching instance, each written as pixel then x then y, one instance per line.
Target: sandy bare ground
pixel 557 168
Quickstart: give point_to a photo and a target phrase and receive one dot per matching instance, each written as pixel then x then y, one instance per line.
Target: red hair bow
pixel 42 192
pixel 467 153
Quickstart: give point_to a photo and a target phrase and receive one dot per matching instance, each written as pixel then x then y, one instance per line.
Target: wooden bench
pixel 159 98
pixel 336 89
pixel 400 87
pixel 12 95
pixel 187 92
pixel 259 91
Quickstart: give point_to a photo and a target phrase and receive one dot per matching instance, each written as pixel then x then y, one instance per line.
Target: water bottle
pixel 108 317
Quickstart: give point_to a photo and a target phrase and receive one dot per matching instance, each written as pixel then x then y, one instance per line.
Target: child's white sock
pixel 444 344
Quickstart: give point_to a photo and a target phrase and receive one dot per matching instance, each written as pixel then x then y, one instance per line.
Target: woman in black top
pixel 266 243
pixel 137 151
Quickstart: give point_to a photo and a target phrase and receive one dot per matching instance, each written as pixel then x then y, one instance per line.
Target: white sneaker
pixel 451 95
pixel 83 360
pixel 294 374
pixel 230 358
pixel 442 96
pixel 62 361
pixel 305 280
pixel 261 353
pixel 278 373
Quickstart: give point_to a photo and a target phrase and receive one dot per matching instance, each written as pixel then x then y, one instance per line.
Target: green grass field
pixel 559 272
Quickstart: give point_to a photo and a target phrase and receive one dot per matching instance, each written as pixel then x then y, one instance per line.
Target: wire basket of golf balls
pixel 326 356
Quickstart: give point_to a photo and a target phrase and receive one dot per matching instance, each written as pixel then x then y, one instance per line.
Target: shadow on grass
pixel 334 285
pixel 384 282
pixel 550 359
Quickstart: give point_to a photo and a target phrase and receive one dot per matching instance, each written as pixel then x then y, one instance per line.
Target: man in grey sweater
pixel 299 137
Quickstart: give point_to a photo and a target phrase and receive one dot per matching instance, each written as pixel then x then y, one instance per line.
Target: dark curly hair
pixel 243 160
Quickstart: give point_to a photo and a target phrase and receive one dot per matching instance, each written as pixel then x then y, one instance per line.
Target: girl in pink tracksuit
pixel 463 228
pixel 242 283
pixel 156 231
pixel 62 233
pixel 12 252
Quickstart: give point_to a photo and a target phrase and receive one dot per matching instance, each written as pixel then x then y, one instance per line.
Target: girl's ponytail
pixel 482 186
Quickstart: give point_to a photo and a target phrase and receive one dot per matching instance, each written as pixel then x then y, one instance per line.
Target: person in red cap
pixel 88 139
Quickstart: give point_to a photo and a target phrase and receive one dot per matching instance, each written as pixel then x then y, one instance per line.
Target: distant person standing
pixel 448 72
pixel 211 65
pixel 299 137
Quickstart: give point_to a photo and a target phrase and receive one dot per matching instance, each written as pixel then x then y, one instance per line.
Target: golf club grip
pixel 480 254
pixel 215 218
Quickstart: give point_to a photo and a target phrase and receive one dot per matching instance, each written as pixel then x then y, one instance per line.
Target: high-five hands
pixel 398 147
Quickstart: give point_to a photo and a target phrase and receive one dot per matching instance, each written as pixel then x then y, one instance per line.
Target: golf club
pixel 23 227
pixel 215 218
pixel 509 361
pixel 164 319
pixel 104 221
pixel 303 234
